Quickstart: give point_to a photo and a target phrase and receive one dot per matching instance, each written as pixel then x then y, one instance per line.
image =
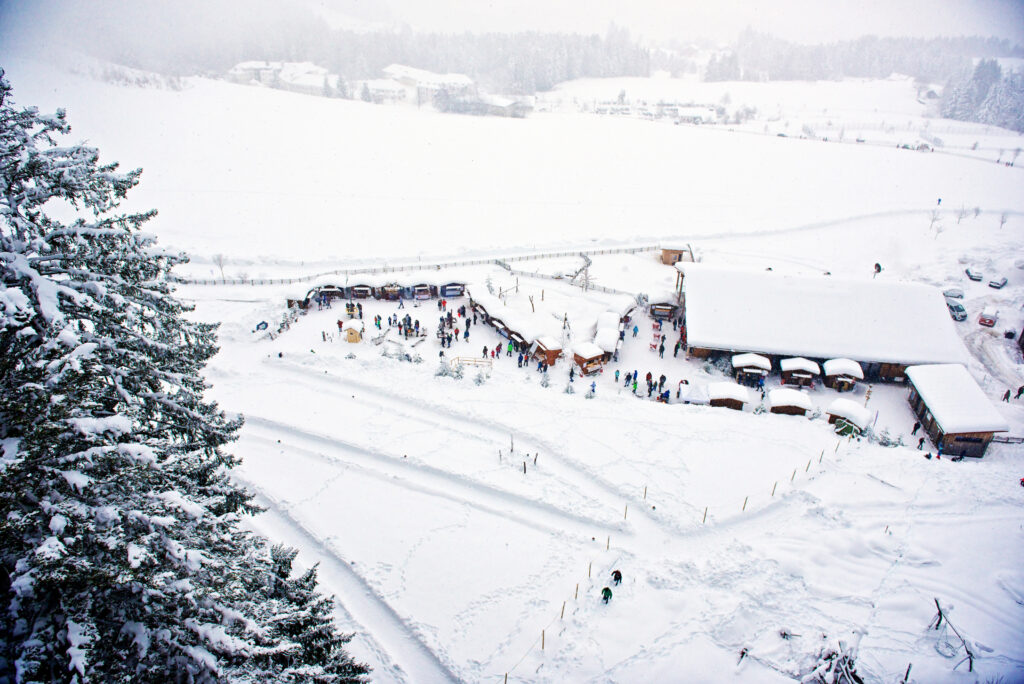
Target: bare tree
pixel 961 214
pixel 219 260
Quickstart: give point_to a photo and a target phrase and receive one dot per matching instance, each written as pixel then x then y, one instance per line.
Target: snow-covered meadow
pixel 736 533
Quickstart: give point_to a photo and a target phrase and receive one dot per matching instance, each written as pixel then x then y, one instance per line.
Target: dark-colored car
pixel 974 275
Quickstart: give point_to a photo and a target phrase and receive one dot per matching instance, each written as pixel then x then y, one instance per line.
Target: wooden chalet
pixel 842 375
pixel 850 412
pixel 799 371
pixel 664 311
pixel 589 357
pixel 547 349
pixel 452 290
pixel 749 369
pixel 674 256
pixel 953 410
pixel 790 402
pixel 728 394
pixel 352 330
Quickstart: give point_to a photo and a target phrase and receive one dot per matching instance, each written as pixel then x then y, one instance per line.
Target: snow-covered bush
pixel 569 389
pixel 444 370
pixel 836 665
pixel 480 378
pixel 545 380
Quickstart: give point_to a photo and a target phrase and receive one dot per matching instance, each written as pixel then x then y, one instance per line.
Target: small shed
pixel 589 357
pixel 750 368
pixel 361 291
pixel 850 411
pixel 453 290
pixel 352 330
pixel 547 349
pixel 791 402
pixel 392 292
pixel 421 291
pixel 664 310
pixel 842 374
pixel 956 414
pixel 799 371
pixel 728 394
pixel 672 256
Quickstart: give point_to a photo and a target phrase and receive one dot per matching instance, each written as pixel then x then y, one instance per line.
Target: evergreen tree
pixel 121 556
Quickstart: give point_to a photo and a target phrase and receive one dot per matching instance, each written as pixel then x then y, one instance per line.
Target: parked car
pixel 956 310
pixel 974 274
pixel 998 283
pixel 953 293
pixel 988 317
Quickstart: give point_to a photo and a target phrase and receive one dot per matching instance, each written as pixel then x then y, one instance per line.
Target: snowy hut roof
pixel 694 394
pixel 785 396
pixel 871 321
pixel 353 324
pixel 606 339
pixel 844 367
pixel 955 400
pixel 587 350
pixel 752 361
pixel 427 79
pixel 609 319
pixel 728 390
pixel 549 343
pixel 799 364
pixel 851 411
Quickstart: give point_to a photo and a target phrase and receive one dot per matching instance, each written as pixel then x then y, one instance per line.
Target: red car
pixel 988 317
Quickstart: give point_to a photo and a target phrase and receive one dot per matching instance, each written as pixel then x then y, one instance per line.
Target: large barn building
pixel 885 326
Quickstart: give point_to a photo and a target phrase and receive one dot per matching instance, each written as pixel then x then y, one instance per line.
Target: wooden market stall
pixel 728 394
pixel 751 368
pixel 790 402
pixel 842 375
pixel 799 371
pixel 589 357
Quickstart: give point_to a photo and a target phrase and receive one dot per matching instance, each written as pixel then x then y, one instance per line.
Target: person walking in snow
pixel 465 335
pixel 593 387
pixel 606 595
pixel 917 426
pixel 616 577
pixel 649 377
pixel 401 303
pixel 661 383
pixel 1006 396
pixel 661 349
pixel 520 360
pixel 509 348
pixel 634 388
pixel 616 376
pixel 572 373
pixel 920 444
pixel 1020 392
pixel 635 330
pixel 485 351
pixel 634 376
pixel 675 352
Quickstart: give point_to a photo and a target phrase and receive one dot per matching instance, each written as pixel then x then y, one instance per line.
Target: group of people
pixel 631 380
pixel 1020 393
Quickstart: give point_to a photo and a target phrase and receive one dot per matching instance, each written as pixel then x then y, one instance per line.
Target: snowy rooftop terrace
pixel 827 317
pixel 955 400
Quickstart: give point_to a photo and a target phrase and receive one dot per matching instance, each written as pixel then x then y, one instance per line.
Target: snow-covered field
pixel 730 529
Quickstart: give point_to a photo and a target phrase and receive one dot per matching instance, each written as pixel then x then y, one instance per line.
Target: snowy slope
pixel 447 560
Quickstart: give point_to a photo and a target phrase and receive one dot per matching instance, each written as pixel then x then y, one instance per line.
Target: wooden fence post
pixel 745 502
pixel 590 566
pixel 645 492
pixel 524 467
pixel 626 512
pixel 774 486
pixel 793 477
pixel 562 617
pixel 705 518
pixel 608 544
pixel 576 594
pixel 808 468
pixel 542 639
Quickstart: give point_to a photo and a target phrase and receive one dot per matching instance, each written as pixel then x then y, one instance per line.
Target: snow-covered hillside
pixel 467 526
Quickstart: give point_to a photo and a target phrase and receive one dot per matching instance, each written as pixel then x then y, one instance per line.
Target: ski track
pixel 399 640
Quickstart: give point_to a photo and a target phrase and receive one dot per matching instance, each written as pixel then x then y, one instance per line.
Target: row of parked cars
pixel 989 315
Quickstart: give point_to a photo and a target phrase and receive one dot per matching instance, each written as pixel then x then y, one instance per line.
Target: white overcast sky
pixel 806 21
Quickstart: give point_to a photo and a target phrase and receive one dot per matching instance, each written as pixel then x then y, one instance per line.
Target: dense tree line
pixel 761 57
pixel 122 557
pixel 986 95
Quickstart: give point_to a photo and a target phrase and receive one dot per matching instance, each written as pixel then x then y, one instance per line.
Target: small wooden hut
pixel 790 402
pixel 421 291
pixel 360 291
pixel 728 394
pixel 751 368
pixel 352 330
pixel 391 292
pixel 664 311
pixel 547 349
pixel 453 290
pixel 589 357
pixel 849 411
pixel 799 371
pixel 953 410
pixel 842 375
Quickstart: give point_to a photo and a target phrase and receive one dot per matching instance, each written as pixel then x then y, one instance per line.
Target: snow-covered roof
pixel 851 411
pixel 799 364
pixel 785 396
pixel 955 400
pixel 549 343
pixel 353 324
pixel 694 394
pixel 426 78
pixel 606 339
pixel 751 361
pixel 609 319
pixel 844 367
pixel 384 85
pixel 866 320
pixel 587 350
pixel 728 390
